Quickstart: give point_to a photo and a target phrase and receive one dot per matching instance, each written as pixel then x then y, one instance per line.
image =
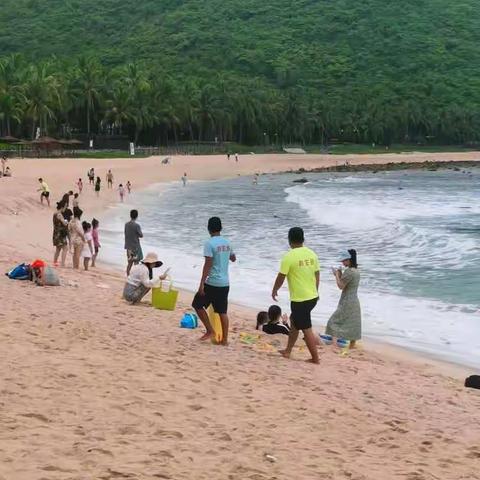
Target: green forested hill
pixel 370 70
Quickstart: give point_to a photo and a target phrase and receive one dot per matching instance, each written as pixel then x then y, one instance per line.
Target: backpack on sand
pixel 20 272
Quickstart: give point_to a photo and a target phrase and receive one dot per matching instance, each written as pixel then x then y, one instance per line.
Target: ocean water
pixel 417 234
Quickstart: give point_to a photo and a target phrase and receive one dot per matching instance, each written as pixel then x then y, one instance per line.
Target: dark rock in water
pixel 301 180
pixel 375 171
pixel 400 188
pixel 456 169
pixel 301 170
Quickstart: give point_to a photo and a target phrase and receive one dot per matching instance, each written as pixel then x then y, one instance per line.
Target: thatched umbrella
pixel 9 139
pixel 46 141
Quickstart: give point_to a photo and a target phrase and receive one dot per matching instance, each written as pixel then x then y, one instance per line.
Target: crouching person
pixel 140 280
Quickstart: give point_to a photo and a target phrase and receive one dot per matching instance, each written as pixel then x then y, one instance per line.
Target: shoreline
pixel 376 344
pixel 96 388
pixel 99 209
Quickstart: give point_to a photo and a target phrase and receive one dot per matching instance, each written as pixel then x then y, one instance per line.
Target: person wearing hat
pixel 140 280
pixel 346 321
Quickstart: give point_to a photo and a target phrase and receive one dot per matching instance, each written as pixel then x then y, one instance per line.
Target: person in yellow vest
pixel 301 268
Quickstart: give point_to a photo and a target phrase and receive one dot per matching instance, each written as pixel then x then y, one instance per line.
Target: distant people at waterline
pixel 97 186
pixel 184 179
pixel 80 186
pixel 129 187
pixel 91 176
pixel 140 280
pixel 133 234
pixel 301 268
pixel 346 321
pixel 121 192
pixel 109 178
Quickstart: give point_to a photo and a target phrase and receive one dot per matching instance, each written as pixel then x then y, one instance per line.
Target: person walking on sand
pixel 129 187
pixel 45 191
pixel 121 192
pixel 97 186
pixel 301 268
pixel 60 234
pixel 214 284
pixel 96 241
pixel 77 237
pixel 133 234
pixel 91 176
pixel 236 157
pixel 184 179
pixel 109 179
pixel 80 186
pixel 346 321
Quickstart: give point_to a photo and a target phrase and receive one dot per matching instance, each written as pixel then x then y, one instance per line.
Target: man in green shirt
pixel 301 269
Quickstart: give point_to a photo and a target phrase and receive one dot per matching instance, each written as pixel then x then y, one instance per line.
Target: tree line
pixel 153 107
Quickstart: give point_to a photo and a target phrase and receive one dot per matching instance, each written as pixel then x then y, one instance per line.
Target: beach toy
pixel 216 325
pixel 189 320
pixel 342 343
pixel 326 339
pixel 164 297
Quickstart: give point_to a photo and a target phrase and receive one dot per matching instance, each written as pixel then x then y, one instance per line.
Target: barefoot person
pixel 301 269
pixel 60 234
pixel 346 321
pixel 77 236
pixel 109 179
pixel 215 284
pixel 45 191
pixel 133 234
pixel 141 280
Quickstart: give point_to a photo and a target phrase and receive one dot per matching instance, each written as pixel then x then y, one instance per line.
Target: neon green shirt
pixel 299 265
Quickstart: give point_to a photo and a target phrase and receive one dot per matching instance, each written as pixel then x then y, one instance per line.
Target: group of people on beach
pixel 96 181
pixel 71 234
pixel 299 266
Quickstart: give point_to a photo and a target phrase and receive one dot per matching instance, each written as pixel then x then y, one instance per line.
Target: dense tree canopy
pixel 249 71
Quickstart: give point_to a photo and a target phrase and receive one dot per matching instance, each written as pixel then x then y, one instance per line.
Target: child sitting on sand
pixel 273 321
pixel 87 252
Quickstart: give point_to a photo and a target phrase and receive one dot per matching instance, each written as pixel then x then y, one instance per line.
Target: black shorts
pixel 45 194
pixel 302 314
pixel 215 296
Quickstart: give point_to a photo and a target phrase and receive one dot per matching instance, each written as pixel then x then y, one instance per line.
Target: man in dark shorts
pixel 214 284
pixel 301 269
pixel 133 234
pixel 45 191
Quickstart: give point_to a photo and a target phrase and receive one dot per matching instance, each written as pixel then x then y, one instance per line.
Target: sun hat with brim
pixel 344 255
pixel 153 259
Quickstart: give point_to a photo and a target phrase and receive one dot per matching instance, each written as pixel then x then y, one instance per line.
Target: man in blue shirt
pixel 215 284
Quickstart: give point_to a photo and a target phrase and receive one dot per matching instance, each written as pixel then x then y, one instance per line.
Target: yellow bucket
pixel 164 300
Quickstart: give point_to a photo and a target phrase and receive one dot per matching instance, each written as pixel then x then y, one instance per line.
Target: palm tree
pixel 89 85
pixel 41 93
pixel 12 100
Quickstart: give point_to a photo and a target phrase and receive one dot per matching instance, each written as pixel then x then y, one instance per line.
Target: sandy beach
pixel 93 388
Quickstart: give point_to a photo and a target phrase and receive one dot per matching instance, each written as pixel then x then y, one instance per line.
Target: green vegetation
pixel 253 72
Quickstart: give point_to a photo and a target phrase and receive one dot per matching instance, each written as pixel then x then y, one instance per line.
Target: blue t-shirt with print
pixel 219 249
